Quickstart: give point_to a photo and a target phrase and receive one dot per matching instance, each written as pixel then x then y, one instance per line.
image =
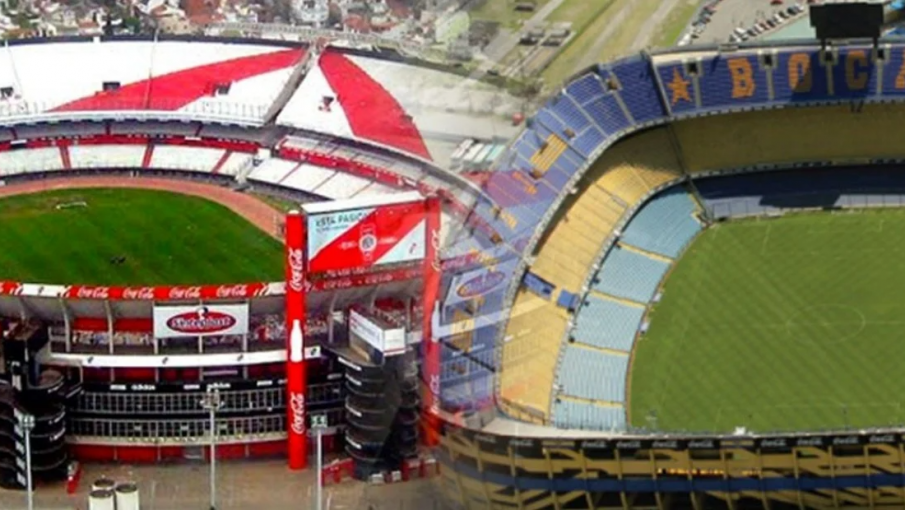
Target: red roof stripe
pixel 372 112
pixel 173 91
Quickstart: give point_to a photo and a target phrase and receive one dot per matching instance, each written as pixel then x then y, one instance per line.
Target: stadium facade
pixel 528 417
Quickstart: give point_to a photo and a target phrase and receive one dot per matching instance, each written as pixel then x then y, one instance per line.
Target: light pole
pixel 27 421
pixel 319 423
pixel 212 403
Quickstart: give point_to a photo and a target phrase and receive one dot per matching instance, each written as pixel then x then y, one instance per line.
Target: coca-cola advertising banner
pixel 366 237
pixel 162 293
pixel 204 320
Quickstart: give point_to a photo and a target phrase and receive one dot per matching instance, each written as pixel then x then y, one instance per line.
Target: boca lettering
pixel 296 259
pixel 742 73
pixel 297 407
pixel 626 445
pixel 856 69
pixel 706 443
pixel 883 439
pixel 800 79
pixel 484 438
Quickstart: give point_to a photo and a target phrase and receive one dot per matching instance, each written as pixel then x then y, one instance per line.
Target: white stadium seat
pixel 342 186
pixel 272 171
pixel 199 159
pixel 106 156
pixel 236 163
pixel 308 178
pixel 32 160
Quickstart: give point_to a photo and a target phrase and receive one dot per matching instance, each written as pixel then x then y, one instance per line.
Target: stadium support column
pixel 296 377
pixel 431 363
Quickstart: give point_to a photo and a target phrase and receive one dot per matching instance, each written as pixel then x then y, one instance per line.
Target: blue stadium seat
pixel 585 89
pixel 664 225
pixel 763 193
pixel 566 110
pixel 607 324
pixel 581 415
pixel 630 275
pixel 607 113
pixel 593 375
pixel 587 142
pixel 639 89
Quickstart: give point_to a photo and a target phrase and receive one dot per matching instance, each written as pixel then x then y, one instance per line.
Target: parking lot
pixel 724 21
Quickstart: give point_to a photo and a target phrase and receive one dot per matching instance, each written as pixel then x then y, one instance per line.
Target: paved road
pixel 737 13
pixel 242 485
pixel 647 33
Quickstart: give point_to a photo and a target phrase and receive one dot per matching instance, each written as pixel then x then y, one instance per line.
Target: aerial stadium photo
pixel 413 254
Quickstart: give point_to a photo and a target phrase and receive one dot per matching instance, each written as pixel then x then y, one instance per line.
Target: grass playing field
pixel 785 324
pixel 166 238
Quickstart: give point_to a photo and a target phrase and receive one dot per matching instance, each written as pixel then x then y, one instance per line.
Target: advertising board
pixel 363 235
pixel 366 329
pixel 386 341
pixel 204 320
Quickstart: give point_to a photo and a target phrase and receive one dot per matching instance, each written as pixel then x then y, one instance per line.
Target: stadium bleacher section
pixel 607 323
pixel 593 375
pixel 772 192
pixel 629 275
pixel 203 78
pixel 630 95
pixel 665 224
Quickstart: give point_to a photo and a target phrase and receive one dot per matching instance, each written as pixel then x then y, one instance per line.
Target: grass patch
pixel 166 238
pixel 503 12
pixel 669 32
pixel 280 204
pixel 786 324
pixel 586 30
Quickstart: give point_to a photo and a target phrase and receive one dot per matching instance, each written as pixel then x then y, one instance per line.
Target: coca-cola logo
pixel 297 408
pixel 232 291
pixel 93 293
pixel 296 260
pixel 480 284
pixel 185 293
pixel 138 293
pixel 201 322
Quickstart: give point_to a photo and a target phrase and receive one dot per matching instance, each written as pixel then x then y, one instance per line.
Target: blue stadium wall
pixel 596 109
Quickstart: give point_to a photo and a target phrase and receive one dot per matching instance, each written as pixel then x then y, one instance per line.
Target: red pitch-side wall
pixel 296 377
pixel 431 363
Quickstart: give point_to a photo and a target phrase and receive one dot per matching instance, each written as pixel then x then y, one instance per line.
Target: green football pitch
pixel 794 323
pixel 70 236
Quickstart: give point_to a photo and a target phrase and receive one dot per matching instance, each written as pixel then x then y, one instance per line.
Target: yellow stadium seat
pixel 618 180
pixel 790 135
pixel 544 158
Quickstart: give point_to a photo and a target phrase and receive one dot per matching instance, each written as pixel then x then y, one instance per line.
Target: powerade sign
pixel 474 284
pixel 204 320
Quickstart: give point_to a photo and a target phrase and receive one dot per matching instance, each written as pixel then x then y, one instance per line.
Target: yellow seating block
pixel 530 351
pixel 543 159
pixel 792 135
